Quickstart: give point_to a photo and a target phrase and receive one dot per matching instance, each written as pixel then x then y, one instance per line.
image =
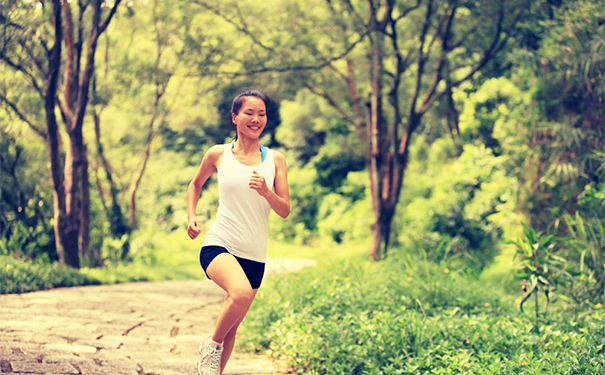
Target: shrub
pixel 19 276
pixel 409 316
pixel 458 203
pixel 584 248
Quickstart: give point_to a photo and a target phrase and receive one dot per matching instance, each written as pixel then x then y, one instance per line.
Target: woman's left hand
pixel 257 182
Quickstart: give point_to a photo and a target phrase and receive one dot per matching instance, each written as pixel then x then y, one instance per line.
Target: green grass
pixel 349 315
pixel 320 252
pixel 408 316
pixel 156 256
pixel 20 276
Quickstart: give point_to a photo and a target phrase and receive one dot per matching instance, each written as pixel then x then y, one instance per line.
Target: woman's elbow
pixel 285 212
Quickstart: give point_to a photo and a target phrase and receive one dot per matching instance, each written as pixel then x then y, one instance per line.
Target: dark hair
pixel 240 98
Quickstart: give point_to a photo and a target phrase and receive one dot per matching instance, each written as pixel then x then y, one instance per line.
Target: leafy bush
pixel 26 203
pixel 459 203
pixel 541 267
pixel 19 276
pixel 585 251
pixel 412 317
pixel 156 255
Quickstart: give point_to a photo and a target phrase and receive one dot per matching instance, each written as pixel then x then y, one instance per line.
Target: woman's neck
pixel 246 145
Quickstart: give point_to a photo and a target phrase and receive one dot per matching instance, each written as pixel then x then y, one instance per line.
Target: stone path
pixel 131 329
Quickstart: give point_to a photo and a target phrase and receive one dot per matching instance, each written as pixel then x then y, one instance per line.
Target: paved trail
pixel 131 329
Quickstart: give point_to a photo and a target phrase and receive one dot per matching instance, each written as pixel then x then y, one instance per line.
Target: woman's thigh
pixel 228 274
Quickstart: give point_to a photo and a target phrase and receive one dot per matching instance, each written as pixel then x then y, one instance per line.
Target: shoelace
pixel 215 357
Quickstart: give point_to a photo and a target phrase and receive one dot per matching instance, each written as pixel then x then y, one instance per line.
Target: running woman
pixel 252 180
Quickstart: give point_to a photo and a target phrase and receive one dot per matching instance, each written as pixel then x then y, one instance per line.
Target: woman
pixel 252 180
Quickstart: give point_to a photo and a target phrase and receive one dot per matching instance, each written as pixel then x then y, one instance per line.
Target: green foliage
pixel 334 162
pixel 155 255
pixel 584 247
pixel 25 199
pixel 326 175
pixel 563 129
pixel 304 127
pixel 343 215
pixel 572 77
pixel 19 276
pixel 305 199
pixel 532 138
pixel 540 266
pixel 410 316
pixel 458 203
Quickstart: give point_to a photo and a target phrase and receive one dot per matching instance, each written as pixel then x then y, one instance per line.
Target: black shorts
pixel 254 270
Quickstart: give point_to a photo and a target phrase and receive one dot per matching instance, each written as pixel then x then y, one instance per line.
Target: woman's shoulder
pixel 215 151
pixel 279 158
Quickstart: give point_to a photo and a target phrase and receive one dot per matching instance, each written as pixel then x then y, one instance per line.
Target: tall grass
pixel 20 276
pixel 408 316
pixel 156 255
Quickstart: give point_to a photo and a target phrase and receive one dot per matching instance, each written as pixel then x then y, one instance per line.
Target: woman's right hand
pixel 193 228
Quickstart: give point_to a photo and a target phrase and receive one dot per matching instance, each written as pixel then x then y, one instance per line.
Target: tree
pixel 26 51
pixel 415 54
pixel 152 65
pixel 382 65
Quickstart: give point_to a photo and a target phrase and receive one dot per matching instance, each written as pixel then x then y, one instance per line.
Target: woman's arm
pixel 206 169
pixel 280 199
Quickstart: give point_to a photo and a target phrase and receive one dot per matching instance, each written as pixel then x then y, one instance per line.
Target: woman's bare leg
pixel 229 342
pixel 227 273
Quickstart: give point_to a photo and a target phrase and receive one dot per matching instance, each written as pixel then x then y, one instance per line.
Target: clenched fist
pixel 257 182
pixel 193 228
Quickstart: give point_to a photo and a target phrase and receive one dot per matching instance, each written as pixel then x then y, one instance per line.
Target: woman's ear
pixel 233 116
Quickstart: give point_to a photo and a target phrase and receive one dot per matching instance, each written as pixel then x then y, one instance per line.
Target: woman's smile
pixel 251 118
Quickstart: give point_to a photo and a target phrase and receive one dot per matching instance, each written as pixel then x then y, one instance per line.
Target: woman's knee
pixel 242 296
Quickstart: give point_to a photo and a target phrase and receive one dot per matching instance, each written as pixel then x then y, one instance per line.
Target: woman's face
pixel 251 119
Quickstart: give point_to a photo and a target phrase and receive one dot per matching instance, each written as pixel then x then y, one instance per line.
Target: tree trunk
pixel 76 91
pixel 73 192
pixel 66 238
pixel 117 220
pixel 427 58
pixel 69 177
pixel 378 166
pixel 91 256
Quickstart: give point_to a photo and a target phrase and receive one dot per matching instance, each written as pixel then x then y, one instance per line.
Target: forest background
pixel 463 141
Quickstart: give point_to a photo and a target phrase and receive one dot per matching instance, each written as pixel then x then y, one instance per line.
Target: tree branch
pixel 407 11
pixel 112 12
pixel 421 59
pixel 25 72
pixel 21 116
pixel 283 69
pixel 33 57
pixel 444 35
pixel 71 72
pixel 496 45
pixel 238 24
pixel 330 101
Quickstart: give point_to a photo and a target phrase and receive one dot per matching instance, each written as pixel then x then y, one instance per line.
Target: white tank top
pixel 242 219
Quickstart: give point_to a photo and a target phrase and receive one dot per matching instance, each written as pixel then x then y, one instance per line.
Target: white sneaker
pixel 210 359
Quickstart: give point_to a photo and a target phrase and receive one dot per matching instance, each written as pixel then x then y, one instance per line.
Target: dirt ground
pixel 149 328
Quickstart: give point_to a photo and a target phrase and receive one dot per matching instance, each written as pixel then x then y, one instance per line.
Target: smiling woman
pixel 249 114
pixel 252 180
